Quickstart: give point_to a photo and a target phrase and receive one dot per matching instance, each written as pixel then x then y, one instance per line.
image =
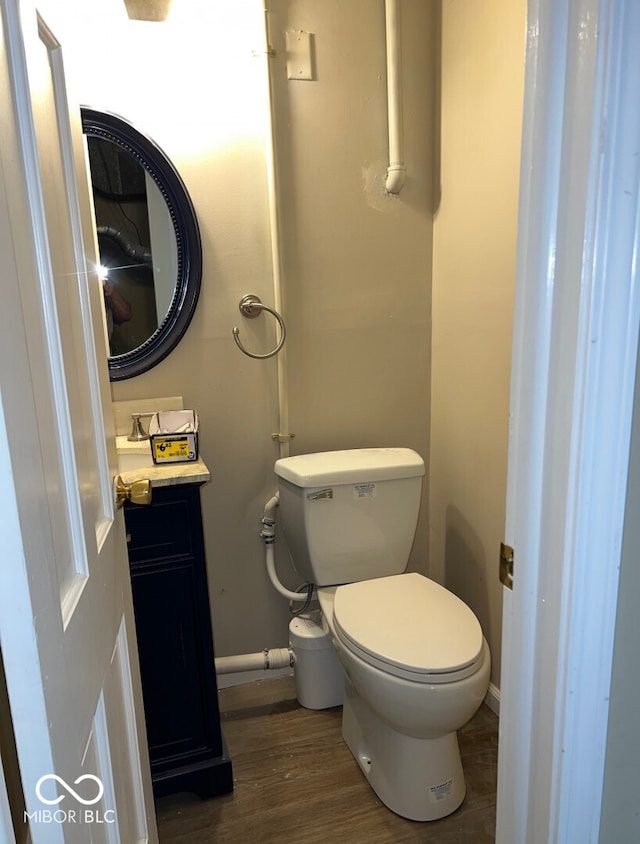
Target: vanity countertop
pixel 135 463
pixel 169 474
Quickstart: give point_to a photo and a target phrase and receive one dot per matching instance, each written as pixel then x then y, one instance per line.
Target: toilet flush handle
pixel 320 495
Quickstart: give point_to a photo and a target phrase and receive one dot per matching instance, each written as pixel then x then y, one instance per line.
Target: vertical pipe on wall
pixel 396 172
pixel 274 223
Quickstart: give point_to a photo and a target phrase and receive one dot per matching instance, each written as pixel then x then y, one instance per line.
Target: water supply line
pixel 268 534
pixel 396 172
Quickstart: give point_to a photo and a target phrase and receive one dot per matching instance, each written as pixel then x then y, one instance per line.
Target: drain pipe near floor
pixel 269 658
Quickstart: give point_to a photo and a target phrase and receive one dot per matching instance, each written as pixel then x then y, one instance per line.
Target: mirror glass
pixel 148 240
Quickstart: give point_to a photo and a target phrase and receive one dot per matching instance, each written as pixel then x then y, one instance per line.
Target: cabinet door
pixel 176 663
pixel 173 624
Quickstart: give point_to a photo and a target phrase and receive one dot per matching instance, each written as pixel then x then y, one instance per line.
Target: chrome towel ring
pixel 251 307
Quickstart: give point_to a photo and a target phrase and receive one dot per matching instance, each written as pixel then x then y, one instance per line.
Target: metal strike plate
pixel 506 565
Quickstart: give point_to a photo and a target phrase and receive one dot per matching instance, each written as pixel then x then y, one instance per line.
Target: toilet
pixel 415 660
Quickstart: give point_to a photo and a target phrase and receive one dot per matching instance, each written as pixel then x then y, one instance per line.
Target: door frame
pixel 561 585
pixel 575 350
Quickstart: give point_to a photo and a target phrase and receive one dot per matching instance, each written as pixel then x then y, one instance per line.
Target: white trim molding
pixel 577 315
pixel 492 699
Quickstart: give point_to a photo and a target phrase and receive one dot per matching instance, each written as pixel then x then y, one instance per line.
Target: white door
pixel 66 624
pixel 575 352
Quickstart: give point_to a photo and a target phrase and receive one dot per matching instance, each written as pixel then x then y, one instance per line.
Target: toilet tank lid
pixel 356 465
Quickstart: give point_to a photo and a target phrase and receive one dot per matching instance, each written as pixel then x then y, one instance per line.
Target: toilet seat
pixel 410 627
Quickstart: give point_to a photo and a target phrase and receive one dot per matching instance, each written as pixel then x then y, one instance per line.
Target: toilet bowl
pixel 416 663
pixel 405 700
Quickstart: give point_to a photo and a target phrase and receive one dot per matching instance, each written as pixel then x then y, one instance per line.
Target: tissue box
pixel 174 436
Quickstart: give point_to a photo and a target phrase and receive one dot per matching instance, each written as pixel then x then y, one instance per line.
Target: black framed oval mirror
pixel 149 243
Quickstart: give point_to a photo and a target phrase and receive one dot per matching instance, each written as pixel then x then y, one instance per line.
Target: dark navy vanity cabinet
pixel 175 643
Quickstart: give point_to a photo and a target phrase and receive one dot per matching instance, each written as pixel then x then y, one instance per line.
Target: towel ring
pixel 251 307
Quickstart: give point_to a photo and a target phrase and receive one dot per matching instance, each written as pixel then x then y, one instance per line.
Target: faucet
pixel 137 432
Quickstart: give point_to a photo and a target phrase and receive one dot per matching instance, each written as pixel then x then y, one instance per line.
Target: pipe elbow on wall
pixel 396 177
pixel 270 506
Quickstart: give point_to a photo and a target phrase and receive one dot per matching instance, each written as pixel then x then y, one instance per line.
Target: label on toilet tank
pixel 364 491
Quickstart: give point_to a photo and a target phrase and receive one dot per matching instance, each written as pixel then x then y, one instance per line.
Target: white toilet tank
pixel 350 515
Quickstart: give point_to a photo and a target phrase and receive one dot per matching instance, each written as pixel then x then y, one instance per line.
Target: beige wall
pixel 198 88
pixel 363 368
pixel 473 281
pixel 357 262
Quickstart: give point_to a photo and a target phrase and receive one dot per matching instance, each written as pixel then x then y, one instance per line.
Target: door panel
pixel 62 282
pixel 65 601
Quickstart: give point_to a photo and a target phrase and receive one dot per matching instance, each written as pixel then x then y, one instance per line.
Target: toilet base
pixel 419 779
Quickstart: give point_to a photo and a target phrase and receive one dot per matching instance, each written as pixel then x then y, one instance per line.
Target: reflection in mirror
pixel 138 279
pixel 148 241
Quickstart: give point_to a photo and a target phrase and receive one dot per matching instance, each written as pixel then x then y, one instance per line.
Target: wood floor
pixel 297 783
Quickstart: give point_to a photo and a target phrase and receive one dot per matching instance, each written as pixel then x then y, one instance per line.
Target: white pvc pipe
pixel 269 658
pixel 273 577
pixel 396 172
pixel 276 258
pixel 268 533
pixel 270 507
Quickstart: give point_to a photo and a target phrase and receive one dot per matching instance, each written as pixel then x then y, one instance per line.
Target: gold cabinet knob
pixel 139 492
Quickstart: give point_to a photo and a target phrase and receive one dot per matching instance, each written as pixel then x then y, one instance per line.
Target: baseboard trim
pixel 225 681
pixel 492 699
